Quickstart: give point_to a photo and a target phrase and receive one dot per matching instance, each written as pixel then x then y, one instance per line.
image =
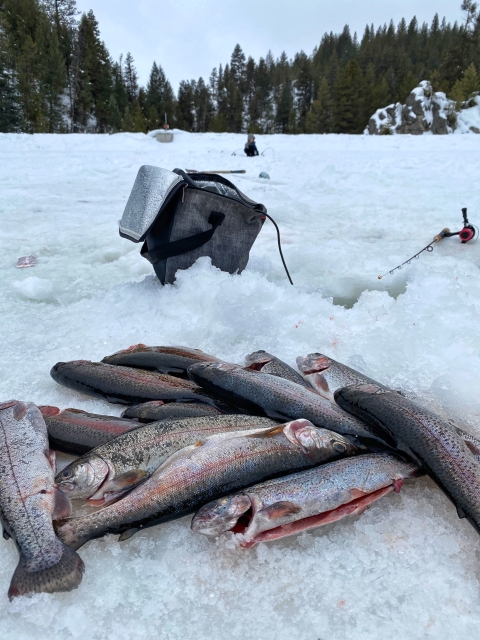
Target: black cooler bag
pixel 181 217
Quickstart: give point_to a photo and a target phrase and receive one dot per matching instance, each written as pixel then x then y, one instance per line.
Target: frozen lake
pixel 349 208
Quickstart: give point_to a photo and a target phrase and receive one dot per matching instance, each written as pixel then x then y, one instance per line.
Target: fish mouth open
pixel 354 507
pixel 318 365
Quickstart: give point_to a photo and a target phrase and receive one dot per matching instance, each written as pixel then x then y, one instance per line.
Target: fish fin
pixel 62 507
pixel 474 449
pixel 321 381
pixel 280 509
pixel 119 485
pixel 47 411
pixel 20 410
pixel 266 433
pixel 6 535
pixel 64 575
pixel 51 455
pixel 127 534
pixel 461 513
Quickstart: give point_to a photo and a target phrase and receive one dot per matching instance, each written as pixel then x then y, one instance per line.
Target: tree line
pixel 57 76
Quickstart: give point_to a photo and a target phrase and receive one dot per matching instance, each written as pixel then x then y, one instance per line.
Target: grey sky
pixel 190 37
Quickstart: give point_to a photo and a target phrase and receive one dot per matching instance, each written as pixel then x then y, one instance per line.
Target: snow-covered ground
pixel 349 208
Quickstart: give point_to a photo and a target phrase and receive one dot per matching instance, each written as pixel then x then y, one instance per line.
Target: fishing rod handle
pixel 443 234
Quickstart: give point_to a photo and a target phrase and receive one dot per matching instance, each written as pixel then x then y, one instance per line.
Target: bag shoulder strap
pixel 177 247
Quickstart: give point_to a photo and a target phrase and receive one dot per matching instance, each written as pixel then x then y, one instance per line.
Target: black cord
pixel 280 246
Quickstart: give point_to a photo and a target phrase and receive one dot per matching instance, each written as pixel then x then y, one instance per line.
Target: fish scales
pixel 164 359
pixel 426 437
pixel 125 384
pixel 280 398
pixel 327 375
pixel 28 499
pixel 107 470
pixel 157 410
pixel 76 432
pixel 299 497
pixel 206 471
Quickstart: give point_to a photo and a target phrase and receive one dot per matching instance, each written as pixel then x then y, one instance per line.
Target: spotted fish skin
pixel 125 385
pixel 28 502
pixel 76 432
pixel 326 375
pixel 427 438
pixel 205 471
pixel 280 398
pixel 116 466
pixel 304 500
pixel 157 410
pixel 163 359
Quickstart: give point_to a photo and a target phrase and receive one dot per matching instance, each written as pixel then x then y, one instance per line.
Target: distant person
pixel 250 146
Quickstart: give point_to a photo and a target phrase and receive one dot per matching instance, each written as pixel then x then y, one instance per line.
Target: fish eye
pixel 339 447
pixel 66 473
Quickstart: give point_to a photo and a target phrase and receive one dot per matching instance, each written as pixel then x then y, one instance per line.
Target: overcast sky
pixel 190 37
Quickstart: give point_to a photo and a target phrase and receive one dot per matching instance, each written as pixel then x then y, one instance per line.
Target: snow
pixel 349 208
pixel 394 116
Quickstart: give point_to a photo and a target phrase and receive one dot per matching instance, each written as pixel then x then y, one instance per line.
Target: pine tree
pixel 10 114
pixel 131 78
pixel 284 107
pixel 319 119
pixel 347 100
pixel 185 113
pixel 303 87
pixel 51 74
pixel 159 96
pixel 467 87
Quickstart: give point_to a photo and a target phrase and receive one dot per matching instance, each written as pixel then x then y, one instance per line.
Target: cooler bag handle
pixel 184 245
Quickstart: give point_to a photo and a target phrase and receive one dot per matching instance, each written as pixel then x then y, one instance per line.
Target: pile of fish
pixel 261 450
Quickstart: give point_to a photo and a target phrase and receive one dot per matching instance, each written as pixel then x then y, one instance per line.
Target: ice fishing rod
pixel 469 232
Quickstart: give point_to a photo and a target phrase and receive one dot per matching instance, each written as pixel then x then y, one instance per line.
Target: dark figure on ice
pixel 250 146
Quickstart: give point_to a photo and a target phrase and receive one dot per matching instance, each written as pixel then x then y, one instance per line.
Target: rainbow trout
pixel 327 375
pixel 428 439
pixel 29 500
pixel 280 398
pixel 157 410
pixel 205 471
pixel 266 363
pixel 125 385
pixel 305 500
pixel 114 468
pixel 163 359
pixel 77 432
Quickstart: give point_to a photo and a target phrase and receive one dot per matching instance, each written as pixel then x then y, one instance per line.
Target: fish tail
pixel 64 575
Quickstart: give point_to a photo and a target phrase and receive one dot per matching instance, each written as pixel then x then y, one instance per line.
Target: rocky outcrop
pixel 425 111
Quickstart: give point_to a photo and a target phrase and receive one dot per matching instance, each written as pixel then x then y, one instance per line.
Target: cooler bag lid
pixel 152 188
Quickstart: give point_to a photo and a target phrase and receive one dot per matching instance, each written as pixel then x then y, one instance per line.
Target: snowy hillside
pixel 426 112
pixel 349 208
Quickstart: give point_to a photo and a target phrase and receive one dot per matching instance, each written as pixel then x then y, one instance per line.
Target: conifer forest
pixel 57 76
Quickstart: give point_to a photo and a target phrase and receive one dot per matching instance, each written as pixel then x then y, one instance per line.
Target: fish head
pixel 319 444
pixel 257 360
pixel 83 477
pixel 352 394
pixel 220 515
pixel 315 368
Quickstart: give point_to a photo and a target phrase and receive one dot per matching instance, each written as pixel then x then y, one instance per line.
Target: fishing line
pixel 467 234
